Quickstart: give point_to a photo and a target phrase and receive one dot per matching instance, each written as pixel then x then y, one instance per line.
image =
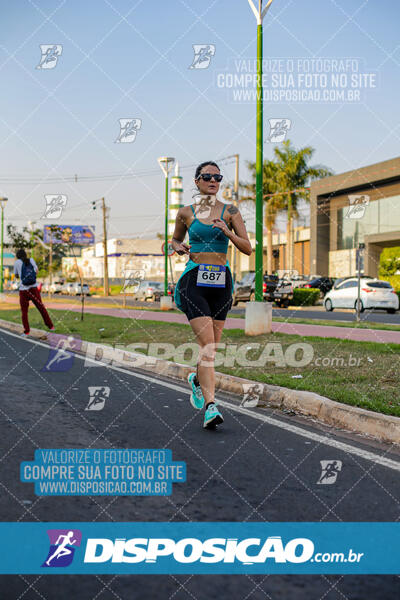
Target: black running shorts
pixel 202 301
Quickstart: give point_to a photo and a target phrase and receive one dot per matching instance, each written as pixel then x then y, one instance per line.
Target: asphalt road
pixel 247 470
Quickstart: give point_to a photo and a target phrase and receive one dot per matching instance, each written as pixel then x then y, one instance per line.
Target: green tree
pixel 295 173
pixel 273 203
pixel 32 241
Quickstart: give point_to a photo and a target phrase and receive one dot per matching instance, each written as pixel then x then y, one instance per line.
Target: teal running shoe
pixel 212 417
pixel 196 397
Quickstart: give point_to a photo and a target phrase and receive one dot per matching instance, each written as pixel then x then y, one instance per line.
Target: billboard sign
pixel 77 235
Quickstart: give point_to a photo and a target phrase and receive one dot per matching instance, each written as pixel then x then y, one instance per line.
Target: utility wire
pixel 93 178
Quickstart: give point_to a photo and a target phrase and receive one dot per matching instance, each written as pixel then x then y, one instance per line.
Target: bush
pixel 305 296
pixel 389 262
pixel 99 290
pixel 115 289
pixel 394 281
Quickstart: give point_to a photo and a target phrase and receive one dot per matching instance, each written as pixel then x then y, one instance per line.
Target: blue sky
pixel 125 59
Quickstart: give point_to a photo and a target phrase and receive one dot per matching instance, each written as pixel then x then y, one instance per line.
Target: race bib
pixel 211 275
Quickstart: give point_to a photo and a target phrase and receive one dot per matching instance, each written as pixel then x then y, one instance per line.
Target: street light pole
pixel 259 14
pixel 166 164
pixel 259 172
pixel 166 239
pixel 105 248
pixel 2 204
pixel 30 226
pixel 259 315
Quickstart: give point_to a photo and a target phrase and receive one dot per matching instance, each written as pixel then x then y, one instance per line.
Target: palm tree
pixel 274 204
pixel 294 173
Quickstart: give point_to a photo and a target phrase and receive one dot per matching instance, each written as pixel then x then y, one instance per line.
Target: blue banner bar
pixel 199 548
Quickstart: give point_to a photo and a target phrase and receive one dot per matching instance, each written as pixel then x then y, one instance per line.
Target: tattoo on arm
pixel 233 210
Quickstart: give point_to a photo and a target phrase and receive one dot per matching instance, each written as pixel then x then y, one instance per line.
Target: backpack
pixel 28 275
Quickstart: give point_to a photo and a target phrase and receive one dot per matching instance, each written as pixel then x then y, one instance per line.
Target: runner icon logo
pixel 251 394
pixel 50 55
pixel 63 543
pixel 132 280
pixel 330 470
pixel 98 396
pixel 357 206
pixel 202 56
pixel 61 354
pixel 278 129
pixel 55 204
pixel 128 130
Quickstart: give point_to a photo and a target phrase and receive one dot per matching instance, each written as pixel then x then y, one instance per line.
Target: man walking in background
pixel 25 269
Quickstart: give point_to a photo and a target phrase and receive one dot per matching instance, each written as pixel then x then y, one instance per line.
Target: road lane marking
pixel 316 437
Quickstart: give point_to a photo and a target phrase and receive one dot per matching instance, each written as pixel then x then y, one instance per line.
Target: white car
pixel 374 293
pixel 56 287
pixel 67 288
pixel 76 289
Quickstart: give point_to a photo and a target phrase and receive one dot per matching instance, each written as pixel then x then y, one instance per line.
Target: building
pixel 124 255
pixel 8 264
pixel 135 254
pixel 301 240
pixel 359 206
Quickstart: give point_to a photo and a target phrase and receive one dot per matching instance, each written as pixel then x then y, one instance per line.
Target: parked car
pixel 374 293
pixel 67 289
pixel 244 289
pixel 56 287
pixel 274 289
pixel 160 291
pixel 339 280
pixel 323 284
pixel 148 291
pixel 283 293
pixel 76 289
pixel 299 280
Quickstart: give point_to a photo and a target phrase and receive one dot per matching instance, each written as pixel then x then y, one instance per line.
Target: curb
pixel 385 428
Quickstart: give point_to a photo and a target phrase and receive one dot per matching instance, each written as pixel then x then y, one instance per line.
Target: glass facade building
pixel 359 206
pixel 380 216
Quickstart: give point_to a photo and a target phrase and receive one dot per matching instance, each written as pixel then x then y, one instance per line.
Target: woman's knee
pixel 207 354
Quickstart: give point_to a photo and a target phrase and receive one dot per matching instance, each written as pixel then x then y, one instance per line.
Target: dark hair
pixel 21 254
pixel 205 164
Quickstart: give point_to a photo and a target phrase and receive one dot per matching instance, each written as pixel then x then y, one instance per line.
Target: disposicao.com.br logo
pixel 191 550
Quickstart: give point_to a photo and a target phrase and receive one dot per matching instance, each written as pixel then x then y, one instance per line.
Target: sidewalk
pixel 344 333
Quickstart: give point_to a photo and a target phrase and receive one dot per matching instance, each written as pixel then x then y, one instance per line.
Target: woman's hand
pixel 181 248
pixel 222 225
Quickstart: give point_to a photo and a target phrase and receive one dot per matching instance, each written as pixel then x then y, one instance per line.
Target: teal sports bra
pixel 206 238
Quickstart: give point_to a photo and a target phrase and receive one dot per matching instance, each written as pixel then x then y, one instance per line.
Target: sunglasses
pixel 208 176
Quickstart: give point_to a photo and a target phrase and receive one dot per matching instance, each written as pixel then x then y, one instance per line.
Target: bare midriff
pixel 209 258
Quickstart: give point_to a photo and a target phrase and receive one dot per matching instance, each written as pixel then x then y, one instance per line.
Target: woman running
pixel 204 290
pixel 25 269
